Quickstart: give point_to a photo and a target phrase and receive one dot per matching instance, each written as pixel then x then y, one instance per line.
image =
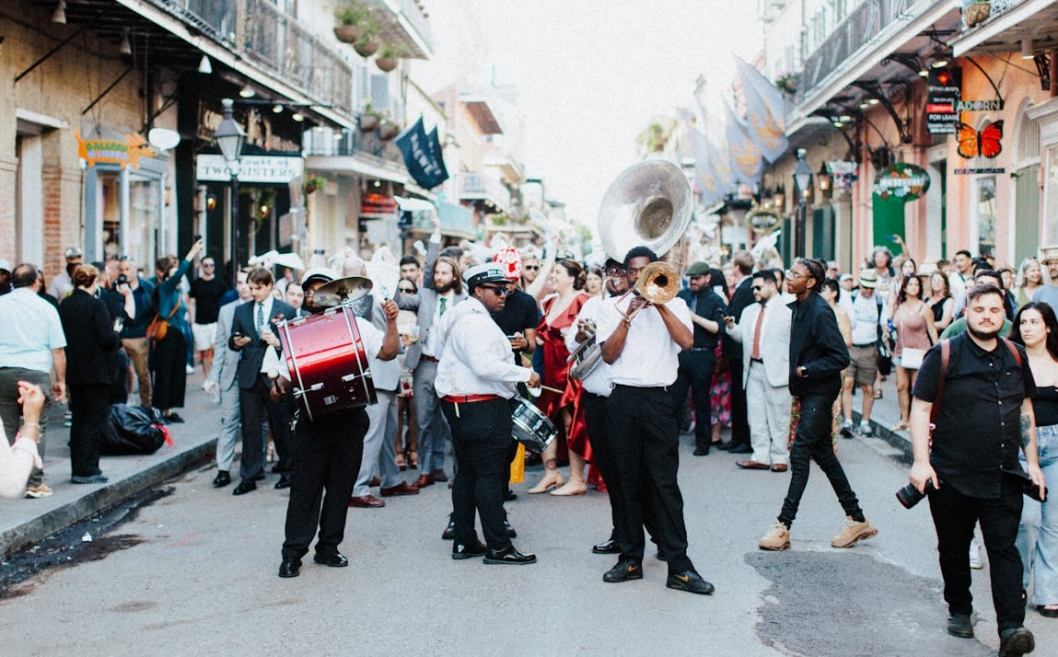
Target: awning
pixel 372 168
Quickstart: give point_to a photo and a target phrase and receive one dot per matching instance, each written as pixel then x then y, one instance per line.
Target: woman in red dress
pixel 560 399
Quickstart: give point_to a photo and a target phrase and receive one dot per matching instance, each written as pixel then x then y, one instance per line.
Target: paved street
pixel 199 577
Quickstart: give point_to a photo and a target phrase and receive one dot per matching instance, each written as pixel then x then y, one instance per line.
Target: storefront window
pixel 1050 225
pixel 986 214
pixel 144 217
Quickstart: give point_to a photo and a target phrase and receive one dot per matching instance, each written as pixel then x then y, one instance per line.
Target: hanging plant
pixel 788 83
pixel 389 57
pixel 368 43
pixel 370 119
pixel 351 16
pixel 313 183
pixel 388 130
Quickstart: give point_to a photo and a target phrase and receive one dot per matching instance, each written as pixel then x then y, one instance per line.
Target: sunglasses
pixel 757 288
pixel 407 290
pixel 499 291
pixel 208 265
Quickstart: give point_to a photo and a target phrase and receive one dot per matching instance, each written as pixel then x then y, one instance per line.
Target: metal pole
pixel 799 250
pixel 234 229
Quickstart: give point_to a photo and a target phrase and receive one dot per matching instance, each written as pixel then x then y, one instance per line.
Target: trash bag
pixel 132 430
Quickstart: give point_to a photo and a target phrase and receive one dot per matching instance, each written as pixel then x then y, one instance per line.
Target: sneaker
pixel 91 479
pixel 846 429
pixel 777 538
pixel 689 581
pixel 625 570
pixel 975 554
pixel 866 430
pixel 190 370
pixel 853 533
pixel 37 492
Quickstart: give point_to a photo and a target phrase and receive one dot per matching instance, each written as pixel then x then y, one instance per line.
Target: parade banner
pixel 765 112
pixel 747 164
pixel 710 187
pixel 422 156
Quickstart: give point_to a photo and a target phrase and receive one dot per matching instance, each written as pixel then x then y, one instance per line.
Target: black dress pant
pixel 598 424
pixel 326 461
pixel 646 442
pixel 813 441
pixel 88 406
pixel 954 516
pixel 170 370
pixel 739 408
pixel 255 405
pixel 696 374
pixel 481 437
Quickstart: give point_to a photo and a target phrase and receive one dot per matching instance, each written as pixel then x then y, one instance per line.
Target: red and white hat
pixel 511 261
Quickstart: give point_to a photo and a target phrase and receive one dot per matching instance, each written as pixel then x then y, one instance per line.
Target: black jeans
pixel 88 407
pixel 481 437
pixel 696 374
pixel 813 441
pixel 646 443
pixel 326 462
pixel 954 516
pixel 255 405
pixel 739 408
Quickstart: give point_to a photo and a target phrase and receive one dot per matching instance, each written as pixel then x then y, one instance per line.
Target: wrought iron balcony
pixel 404 22
pixel 478 187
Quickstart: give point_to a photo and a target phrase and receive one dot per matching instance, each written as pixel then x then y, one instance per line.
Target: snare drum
pixel 531 427
pixel 327 362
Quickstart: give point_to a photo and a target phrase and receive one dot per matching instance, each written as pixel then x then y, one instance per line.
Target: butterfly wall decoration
pixel 984 143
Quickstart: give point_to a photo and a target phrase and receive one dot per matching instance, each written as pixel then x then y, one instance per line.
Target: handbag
pixel 911 358
pixel 159 328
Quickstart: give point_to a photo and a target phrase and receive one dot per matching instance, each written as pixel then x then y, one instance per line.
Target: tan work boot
pixel 777 538
pixel 853 533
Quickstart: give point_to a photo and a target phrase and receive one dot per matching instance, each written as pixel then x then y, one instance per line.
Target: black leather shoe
pixel 689 581
pixel 460 551
pixel 624 571
pixel 509 556
pixel 740 449
pixel 723 447
pixel 259 476
pixel 510 496
pixel 290 568
pixel 222 479
pixel 1016 641
pixel 662 556
pixel 701 452
pixel 961 626
pixel 284 481
pixel 449 533
pixel 332 560
pixel 245 487
pixel 510 530
pixel 609 546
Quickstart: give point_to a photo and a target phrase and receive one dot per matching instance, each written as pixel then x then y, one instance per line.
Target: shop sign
pixel 251 168
pixel 114 151
pixel 943 95
pixel 982 170
pixel 903 181
pixel 842 174
pixel 995 105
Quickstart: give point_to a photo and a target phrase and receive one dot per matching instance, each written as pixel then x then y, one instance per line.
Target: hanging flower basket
pixel 975 13
pixel 366 47
pixel 387 64
pixel 388 130
pixel 368 122
pixel 312 184
pixel 348 33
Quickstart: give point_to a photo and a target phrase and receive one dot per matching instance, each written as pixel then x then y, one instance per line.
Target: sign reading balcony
pixel 251 168
pixel 942 99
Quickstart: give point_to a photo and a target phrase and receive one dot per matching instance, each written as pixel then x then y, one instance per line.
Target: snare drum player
pixel 475 380
pixel 643 354
pixel 327 451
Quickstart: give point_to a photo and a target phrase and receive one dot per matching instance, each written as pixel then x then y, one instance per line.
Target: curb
pixel 41 527
pixel 894 439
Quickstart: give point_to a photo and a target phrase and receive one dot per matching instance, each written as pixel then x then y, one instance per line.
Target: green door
pixel 1027 214
pixel 888 216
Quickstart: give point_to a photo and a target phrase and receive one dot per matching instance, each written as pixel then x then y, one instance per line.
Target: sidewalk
pixel 25 521
pixel 884 416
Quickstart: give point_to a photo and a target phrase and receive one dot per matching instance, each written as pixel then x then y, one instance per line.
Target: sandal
pixel 1048 611
pixel 877 393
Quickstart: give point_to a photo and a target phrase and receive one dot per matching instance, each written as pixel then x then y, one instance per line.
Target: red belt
pixel 429 358
pixel 468 399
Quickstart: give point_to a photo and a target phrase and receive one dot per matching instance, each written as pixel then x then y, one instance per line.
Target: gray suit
pixel 225 362
pixel 433 429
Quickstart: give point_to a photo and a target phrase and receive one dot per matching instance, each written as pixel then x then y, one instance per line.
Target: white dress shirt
pixel 430 346
pixel 598 382
pixel 475 355
pixel 650 358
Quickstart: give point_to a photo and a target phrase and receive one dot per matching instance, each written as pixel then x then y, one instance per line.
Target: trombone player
pixel 642 335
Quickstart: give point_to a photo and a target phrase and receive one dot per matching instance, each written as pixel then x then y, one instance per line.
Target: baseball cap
pixel 511 260
pixel 489 272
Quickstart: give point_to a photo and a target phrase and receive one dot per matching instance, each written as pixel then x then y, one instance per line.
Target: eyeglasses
pixel 500 291
pixel 614 271
pixel 533 267
pixel 792 275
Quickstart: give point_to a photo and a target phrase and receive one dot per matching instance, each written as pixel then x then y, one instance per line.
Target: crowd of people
pixel 777 355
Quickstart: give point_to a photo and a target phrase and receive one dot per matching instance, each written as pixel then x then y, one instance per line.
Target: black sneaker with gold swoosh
pixel 625 570
pixel 689 581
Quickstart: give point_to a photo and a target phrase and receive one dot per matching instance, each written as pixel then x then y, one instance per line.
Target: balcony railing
pixel 479 187
pixel 857 32
pixel 275 42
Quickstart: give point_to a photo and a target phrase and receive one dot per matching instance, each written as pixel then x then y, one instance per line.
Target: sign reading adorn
pixel 903 181
pixel 943 95
pixel 114 151
pixel 251 168
pixel 842 173
pixel 980 105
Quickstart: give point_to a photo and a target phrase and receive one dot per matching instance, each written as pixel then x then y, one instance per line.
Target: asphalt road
pixel 194 573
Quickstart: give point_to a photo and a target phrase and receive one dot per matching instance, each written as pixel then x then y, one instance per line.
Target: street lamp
pixel 802 175
pixel 825 181
pixel 230 137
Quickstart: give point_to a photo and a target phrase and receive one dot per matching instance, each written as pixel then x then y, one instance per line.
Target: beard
pixel 984 334
pixel 443 288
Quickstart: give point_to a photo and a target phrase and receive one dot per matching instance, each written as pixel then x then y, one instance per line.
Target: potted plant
pixel 370 119
pixel 367 44
pixel 788 83
pixel 312 183
pixel 388 130
pixel 389 57
pixel 975 12
pixel 350 15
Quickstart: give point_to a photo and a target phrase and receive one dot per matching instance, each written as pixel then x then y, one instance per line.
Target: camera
pixel 121 280
pixel 909 495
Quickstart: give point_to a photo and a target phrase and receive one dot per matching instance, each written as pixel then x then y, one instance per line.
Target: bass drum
pixel 531 427
pixel 327 362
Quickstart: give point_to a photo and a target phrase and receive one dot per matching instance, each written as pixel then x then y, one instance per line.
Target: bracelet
pixel 31 424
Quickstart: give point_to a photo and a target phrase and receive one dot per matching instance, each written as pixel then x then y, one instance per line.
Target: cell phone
pixel 237 335
pixel 196 238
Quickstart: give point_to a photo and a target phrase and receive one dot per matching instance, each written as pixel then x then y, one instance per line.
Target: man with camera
pixel 984 386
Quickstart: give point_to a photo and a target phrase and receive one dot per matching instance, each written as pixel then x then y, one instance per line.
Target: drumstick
pixel 550 389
